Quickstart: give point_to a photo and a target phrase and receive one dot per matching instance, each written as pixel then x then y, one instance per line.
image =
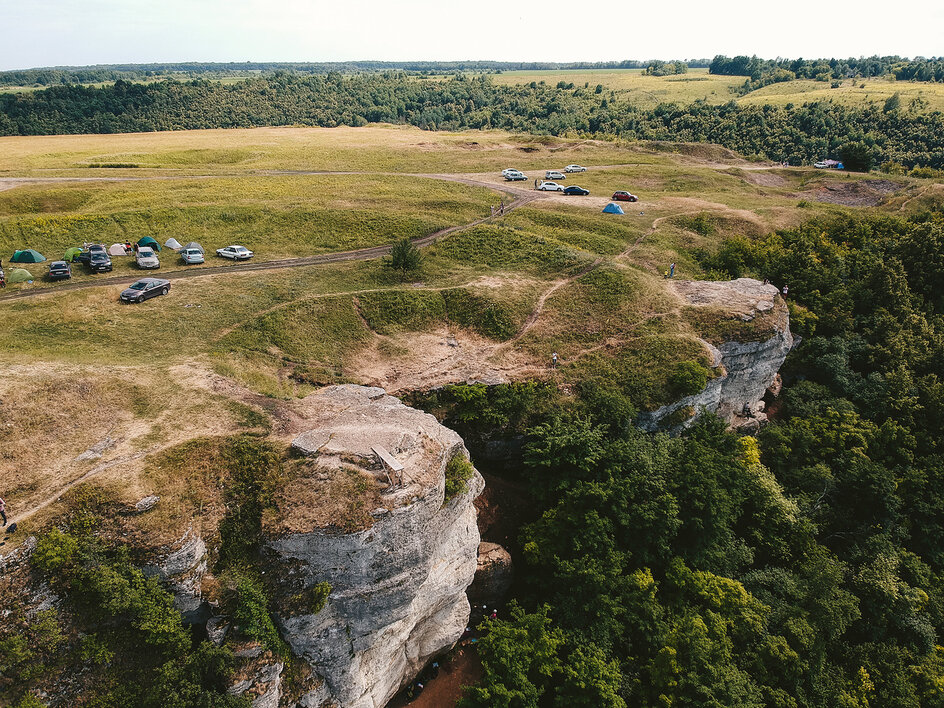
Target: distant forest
pixel 103 73
pixel 799 134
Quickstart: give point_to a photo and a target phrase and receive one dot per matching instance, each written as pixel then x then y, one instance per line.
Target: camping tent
pixel 117 249
pixel 194 244
pixel 613 208
pixel 28 256
pixel 148 241
pixel 71 254
pixel 172 243
pixel 19 275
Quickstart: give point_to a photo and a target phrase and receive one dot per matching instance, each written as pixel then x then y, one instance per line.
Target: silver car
pixel 237 253
pixel 146 258
pixel 191 256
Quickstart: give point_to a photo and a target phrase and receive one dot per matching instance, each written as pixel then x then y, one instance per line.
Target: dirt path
pixel 362 254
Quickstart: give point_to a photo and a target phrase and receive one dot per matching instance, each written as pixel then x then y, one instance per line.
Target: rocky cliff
pixel 745 358
pixel 397 584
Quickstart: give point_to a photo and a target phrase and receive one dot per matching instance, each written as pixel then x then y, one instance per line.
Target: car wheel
pixel 164 290
pixel 140 299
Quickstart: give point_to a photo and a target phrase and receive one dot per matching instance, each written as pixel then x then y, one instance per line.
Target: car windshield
pixel 145 253
pixel 140 285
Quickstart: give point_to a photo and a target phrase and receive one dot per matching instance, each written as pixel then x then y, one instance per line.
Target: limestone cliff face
pixel 398 586
pixel 744 367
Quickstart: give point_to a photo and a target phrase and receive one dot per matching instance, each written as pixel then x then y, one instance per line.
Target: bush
pixel 458 473
pixel 688 378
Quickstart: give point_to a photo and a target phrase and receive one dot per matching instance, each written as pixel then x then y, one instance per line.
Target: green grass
pixel 644 91
pixel 274 216
pixel 851 92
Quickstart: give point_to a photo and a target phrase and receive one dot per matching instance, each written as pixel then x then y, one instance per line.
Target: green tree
pixel 404 258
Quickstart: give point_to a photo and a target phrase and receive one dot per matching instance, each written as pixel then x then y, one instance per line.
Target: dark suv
pixel 96 258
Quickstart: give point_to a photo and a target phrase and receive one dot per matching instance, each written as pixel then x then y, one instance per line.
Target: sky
pixel 81 32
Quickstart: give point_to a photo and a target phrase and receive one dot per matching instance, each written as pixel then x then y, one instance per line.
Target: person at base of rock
pixel 434 670
pixel 784 291
pixel 494 615
pixel 3 511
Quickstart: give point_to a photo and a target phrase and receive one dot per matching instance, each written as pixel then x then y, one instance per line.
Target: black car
pixel 96 258
pixel 144 289
pixel 59 270
pixel 574 189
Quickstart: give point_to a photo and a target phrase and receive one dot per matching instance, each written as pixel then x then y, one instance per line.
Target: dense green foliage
pixel 798 134
pixel 128 628
pixel 458 473
pixel 803 568
pixel 827 69
pixel 405 258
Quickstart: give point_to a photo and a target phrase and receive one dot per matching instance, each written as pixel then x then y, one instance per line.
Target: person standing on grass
pixel 554 360
pixel 3 511
pixel 784 291
pixel 672 271
pixel 501 208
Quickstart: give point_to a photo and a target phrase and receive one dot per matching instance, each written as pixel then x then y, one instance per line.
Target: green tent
pixel 19 275
pixel 27 256
pixel 148 241
pixel 71 254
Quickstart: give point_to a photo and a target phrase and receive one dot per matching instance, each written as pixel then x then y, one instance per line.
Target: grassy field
pixel 699 85
pixel 644 91
pixel 381 148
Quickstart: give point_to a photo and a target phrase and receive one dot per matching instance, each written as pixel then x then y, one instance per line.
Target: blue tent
pixel 613 208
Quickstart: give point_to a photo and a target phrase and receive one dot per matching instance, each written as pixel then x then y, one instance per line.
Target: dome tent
pixel 27 256
pixel 71 254
pixel 613 208
pixel 172 244
pixel 194 244
pixel 117 249
pixel 19 275
pixel 148 241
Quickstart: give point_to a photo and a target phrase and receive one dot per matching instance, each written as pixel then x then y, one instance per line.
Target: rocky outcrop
pixel 398 584
pixel 744 367
pixel 493 576
pixel 182 568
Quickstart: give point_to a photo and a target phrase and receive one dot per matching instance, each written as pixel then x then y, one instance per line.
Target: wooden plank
pixel 387 458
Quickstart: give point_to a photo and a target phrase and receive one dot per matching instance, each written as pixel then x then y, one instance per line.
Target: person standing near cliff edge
pixel 3 511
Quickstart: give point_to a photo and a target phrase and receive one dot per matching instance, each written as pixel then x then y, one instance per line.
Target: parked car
pixel 237 253
pixel 514 175
pixel 821 165
pixel 507 170
pixel 146 258
pixel 554 174
pixel 96 258
pixel 575 168
pixel 59 270
pixel 144 289
pixel 575 190
pixel 624 196
pixel 550 187
pixel 191 256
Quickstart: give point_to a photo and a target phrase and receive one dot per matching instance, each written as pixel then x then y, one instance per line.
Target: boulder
pixel 493 576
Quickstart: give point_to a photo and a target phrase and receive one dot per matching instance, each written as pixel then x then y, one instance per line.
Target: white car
pixel 191 256
pixel 821 165
pixel 551 187
pixel 237 253
pixel 554 174
pixel 514 175
pixel 575 168
pixel 146 258
pixel 510 169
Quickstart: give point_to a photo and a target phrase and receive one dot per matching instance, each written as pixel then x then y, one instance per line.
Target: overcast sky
pixel 78 32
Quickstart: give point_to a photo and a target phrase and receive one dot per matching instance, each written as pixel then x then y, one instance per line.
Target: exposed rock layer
pixel 398 587
pixel 744 369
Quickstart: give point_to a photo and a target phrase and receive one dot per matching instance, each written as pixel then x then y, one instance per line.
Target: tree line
pixel 798 134
pixel 919 68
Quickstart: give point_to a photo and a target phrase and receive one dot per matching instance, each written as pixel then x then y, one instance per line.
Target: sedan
pixel 59 270
pixel 144 289
pixel 515 176
pixel 550 187
pixel 191 256
pixel 579 191
pixel 237 253
pixel 554 174
pixel 575 168
pixel 624 196
pixel 146 258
